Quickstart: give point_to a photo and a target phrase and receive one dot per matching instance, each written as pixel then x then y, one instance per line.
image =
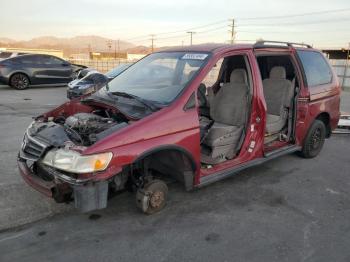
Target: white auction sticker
pixel 195 56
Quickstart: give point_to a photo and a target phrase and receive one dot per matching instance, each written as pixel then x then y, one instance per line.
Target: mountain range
pixel 77 44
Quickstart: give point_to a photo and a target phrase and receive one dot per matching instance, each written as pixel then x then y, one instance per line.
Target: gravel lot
pixel 289 209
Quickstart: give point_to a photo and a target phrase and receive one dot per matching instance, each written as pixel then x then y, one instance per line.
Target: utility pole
pixel 191 35
pixel 115 50
pixel 109 44
pixel 152 42
pixel 232 31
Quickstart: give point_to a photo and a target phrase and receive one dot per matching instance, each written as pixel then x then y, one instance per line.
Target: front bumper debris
pixel 44 187
pixel 88 195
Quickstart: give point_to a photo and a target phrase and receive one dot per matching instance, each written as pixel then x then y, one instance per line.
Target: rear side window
pixel 24 59
pixel 48 60
pixel 317 70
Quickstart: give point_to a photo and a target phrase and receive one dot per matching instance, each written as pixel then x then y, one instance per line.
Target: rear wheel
pixel 152 197
pixel 314 140
pixel 19 81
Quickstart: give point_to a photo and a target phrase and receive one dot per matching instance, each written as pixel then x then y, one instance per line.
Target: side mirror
pixel 65 64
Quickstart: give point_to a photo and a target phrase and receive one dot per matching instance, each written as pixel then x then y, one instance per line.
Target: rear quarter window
pixel 316 68
pixel 5 55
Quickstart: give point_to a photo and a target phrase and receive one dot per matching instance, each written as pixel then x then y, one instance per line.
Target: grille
pixel 32 149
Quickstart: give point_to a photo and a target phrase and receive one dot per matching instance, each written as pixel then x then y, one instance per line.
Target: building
pixel 115 56
pixel 135 57
pixel 339 59
pixel 337 53
pixel 58 53
pixel 107 55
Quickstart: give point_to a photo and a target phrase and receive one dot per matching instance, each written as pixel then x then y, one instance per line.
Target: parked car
pixel 92 81
pixel 78 71
pixel 344 121
pixel 219 109
pixel 343 124
pixel 22 71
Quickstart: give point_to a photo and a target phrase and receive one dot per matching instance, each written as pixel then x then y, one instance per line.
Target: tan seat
pixel 228 109
pixel 278 93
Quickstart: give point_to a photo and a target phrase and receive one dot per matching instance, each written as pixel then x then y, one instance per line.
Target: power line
pixel 234 25
pixel 298 23
pixel 297 15
pixel 144 37
pixel 180 31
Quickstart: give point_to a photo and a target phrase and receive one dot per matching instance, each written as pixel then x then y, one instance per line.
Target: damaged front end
pixel 51 157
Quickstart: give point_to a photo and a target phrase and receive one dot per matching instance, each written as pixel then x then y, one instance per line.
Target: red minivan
pixel 193 114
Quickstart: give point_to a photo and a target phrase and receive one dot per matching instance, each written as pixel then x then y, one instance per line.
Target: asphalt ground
pixel 288 209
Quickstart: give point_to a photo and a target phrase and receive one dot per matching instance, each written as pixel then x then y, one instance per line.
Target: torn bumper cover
pixel 88 195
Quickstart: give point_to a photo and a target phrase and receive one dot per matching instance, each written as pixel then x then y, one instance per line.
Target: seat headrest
pixel 239 76
pixel 278 72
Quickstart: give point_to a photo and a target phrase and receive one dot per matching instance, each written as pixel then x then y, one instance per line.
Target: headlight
pixel 71 161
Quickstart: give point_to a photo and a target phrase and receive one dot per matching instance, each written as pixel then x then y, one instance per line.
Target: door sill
pixel 206 180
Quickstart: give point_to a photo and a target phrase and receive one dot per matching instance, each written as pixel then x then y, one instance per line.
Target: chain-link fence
pixel 102 66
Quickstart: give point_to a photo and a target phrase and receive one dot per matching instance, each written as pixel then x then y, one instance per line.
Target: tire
pixel 314 140
pixel 152 197
pixel 19 81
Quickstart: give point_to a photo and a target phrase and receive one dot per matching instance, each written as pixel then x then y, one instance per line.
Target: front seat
pixel 278 93
pixel 228 110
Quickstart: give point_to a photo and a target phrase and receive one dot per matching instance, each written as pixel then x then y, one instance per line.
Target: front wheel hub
pixel 152 197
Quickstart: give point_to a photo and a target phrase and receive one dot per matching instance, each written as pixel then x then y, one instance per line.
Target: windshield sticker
pixel 195 56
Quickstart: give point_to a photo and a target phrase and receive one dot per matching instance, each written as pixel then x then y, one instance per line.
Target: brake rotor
pixel 152 197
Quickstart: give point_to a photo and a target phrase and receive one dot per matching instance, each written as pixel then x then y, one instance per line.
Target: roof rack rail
pixel 265 43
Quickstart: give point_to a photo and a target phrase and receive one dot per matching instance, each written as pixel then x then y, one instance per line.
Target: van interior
pixel 224 100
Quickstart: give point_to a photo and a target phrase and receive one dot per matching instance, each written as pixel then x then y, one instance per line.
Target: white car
pixel 344 121
pixel 343 124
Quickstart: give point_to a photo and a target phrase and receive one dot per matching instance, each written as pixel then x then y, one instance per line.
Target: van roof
pixel 214 48
pixel 207 48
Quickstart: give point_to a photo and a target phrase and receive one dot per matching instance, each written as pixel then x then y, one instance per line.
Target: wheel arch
pixel 20 72
pixel 175 160
pixel 325 118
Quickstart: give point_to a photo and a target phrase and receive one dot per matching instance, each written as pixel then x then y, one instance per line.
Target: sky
pixel 135 20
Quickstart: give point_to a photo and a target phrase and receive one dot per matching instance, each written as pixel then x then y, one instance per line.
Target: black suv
pixel 35 69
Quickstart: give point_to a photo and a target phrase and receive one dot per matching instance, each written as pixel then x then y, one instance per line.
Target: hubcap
pixel 20 81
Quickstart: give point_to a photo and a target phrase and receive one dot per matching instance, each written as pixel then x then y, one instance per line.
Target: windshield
pixel 159 77
pixel 116 71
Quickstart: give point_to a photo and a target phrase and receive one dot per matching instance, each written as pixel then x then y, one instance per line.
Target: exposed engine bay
pixel 87 128
pixel 83 129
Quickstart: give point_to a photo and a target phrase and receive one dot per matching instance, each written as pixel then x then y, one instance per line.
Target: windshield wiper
pixel 145 102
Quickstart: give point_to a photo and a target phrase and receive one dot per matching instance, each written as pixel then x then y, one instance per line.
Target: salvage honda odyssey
pixel 195 115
